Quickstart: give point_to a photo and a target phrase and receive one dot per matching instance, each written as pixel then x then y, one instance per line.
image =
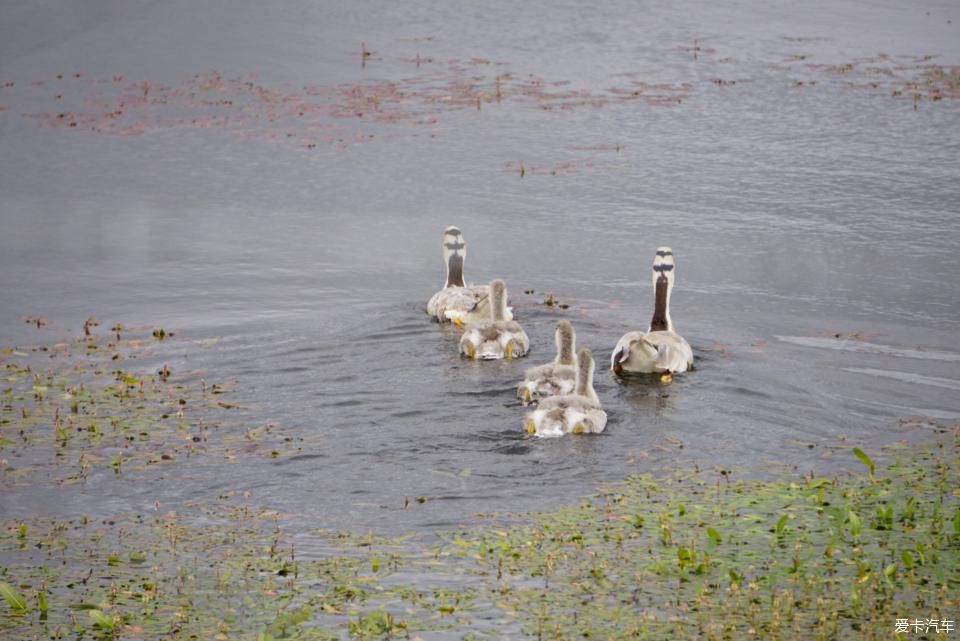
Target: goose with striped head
pixel 496 337
pixel 578 413
pixel 557 378
pixel 659 350
pixel 457 302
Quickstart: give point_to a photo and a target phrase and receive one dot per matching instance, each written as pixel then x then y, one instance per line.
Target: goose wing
pixel 494 340
pixel 557 415
pixel 455 301
pixel 547 380
pixel 673 351
pixel 633 353
pixel 464 304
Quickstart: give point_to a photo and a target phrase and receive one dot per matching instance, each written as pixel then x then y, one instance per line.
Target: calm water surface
pixel 802 198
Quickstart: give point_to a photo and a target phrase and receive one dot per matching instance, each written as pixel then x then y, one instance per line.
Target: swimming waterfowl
pixel 495 337
pixel 578 413
pixel 456 302
pixel 660 349
pixel 557 378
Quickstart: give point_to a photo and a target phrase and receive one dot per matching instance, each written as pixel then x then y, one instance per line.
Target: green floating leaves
pixel 102 620
pixel 375 623
pixel 884 520
pixel 286 622
pixel 113 418
pixel 13 598
pixel 856 526
pixel 907 557
pixel 782 524
pixel 866 460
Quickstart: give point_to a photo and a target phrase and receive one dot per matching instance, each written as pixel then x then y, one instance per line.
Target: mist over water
pixel 241 174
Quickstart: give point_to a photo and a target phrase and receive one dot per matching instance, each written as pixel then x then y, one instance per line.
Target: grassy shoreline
pixel 683 554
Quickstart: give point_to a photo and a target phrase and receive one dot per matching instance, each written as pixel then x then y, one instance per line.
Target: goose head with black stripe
pixel 660 349
pixel 457 302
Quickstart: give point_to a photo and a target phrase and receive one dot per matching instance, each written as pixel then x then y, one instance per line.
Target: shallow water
pixel 813 213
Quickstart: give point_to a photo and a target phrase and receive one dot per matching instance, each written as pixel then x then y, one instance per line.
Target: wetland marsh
pixel 264 436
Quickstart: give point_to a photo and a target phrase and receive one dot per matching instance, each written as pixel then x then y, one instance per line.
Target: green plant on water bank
pixel 796 561
pixel 375 624
pixel 789 558
pixel 866 460
pixel 236 576
pixel 88 400
pixel 682 554
pixel 18 605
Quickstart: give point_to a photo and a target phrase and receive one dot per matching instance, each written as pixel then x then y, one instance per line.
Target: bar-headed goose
pixel 660 349
pixel 495 337
pixel 578 413
pixel 557 378
pixel 457 302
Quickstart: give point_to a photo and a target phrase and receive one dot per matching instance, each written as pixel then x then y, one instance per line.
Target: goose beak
pixel 525 395
pixel 666 377
pixel 456 321
pixel 471 351
pixel 531 427
pixel 578 428
pixel 508 350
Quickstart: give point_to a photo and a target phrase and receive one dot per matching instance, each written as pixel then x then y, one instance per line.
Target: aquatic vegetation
pixel 76 407
pixel 14 599
pixel 788 558
pixel 336 115
pixel 680 554
pixel 556 169
pixel 675 554
pixel 915 77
